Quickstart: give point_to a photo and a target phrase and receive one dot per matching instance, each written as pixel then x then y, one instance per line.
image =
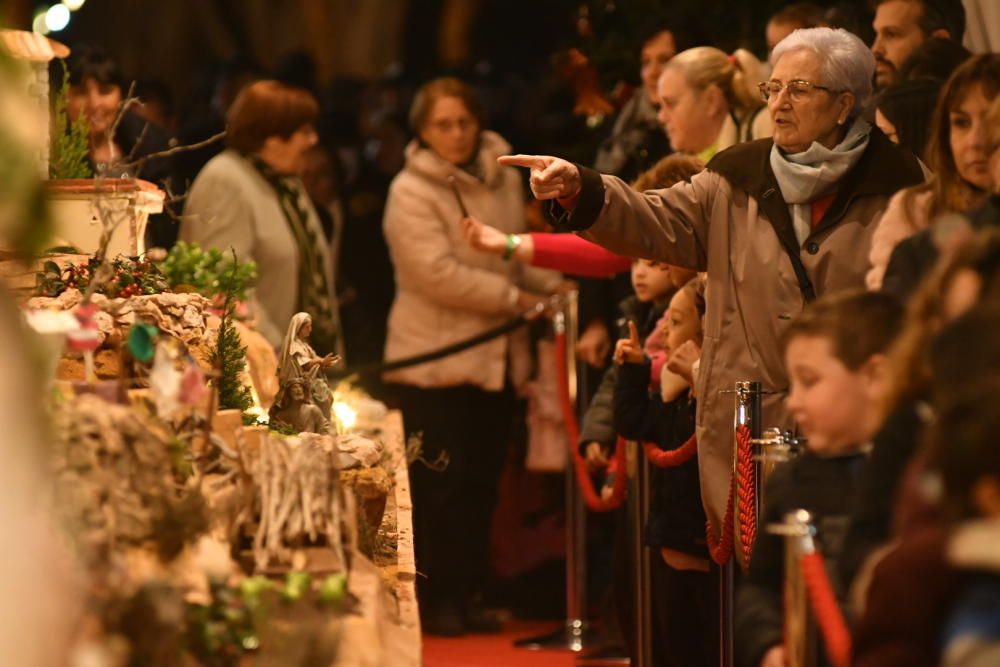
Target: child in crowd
pixel 654 286
pixel 968 274
pixel 654 405
pixel 835 353
pixel 963 453
pixel 937 588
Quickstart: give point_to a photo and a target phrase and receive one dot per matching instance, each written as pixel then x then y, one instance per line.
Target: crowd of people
pixel 822 222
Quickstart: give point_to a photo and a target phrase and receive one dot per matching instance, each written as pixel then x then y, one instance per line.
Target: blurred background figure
pixel 936 59
pixel 903 25
pixel 250 199
pixel 447 292
pixel 792 17
pixel 156 104
pixel 957 153
pixel 904 110
pixel 97 91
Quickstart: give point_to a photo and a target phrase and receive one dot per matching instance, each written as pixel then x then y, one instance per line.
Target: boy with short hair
pixel 835 353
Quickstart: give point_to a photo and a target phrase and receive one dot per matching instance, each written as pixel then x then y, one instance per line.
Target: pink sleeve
pixel 569 253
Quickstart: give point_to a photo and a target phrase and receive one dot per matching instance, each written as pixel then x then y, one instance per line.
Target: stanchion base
pixel 576 636
pixel 610 656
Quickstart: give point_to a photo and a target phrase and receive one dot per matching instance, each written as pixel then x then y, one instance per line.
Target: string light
pixel 57 17
pixel 38 24
pixel 73 5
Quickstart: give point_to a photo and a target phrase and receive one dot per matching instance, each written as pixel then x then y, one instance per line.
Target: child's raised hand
pixel 629 350
pixel 681 361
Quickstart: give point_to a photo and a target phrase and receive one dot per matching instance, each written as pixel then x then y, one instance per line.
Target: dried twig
pixel 130 101
pixel 137 165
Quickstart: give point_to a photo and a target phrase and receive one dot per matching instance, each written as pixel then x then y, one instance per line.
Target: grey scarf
pixel 813 173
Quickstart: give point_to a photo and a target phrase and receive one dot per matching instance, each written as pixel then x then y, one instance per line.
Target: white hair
pixel 845 62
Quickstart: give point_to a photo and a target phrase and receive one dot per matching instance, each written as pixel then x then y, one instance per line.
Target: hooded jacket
pixel 446 291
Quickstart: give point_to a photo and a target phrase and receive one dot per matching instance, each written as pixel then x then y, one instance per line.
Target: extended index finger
pixel 633 332
pixel 528 161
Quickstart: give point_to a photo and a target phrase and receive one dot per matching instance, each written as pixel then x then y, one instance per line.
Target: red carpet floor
pixel 494 650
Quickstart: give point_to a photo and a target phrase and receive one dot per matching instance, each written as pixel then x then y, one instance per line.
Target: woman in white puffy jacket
pixel 447 292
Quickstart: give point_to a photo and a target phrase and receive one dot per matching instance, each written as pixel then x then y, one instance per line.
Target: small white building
pixel 80 208
pixel 37 51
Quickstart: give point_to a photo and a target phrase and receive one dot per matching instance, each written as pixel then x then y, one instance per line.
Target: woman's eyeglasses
pixel 444 126
pixel 798 89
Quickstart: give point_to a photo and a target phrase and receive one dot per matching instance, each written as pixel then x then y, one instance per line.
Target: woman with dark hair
pixel 956 153
pixel 250 199
pixel 937 58
pixel 447 292
pixel 96 92
pixel 903 111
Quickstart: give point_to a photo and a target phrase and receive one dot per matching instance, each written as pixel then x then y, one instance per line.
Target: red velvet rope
pixel 746 491
pixel 829 618
pixel 591 497
pixel 721 547
pixel 673 457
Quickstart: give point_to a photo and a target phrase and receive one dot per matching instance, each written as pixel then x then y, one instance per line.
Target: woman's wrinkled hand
pixel 551 177
pixel 483 237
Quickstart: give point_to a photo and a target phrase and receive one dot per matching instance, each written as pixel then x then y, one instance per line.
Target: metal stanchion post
pixel 747 414
pixel 576 635
pixel 800 626
pixel 774 447
pixel 642 582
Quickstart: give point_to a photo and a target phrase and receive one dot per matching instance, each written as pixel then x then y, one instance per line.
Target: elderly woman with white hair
pixel 773 222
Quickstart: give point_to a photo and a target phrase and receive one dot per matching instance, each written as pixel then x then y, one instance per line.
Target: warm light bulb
pixel 73 5
pixel 346 415
pixel 57 17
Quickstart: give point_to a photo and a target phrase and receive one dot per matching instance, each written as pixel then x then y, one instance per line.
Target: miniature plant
pixel 191 268
pixel 230 358
pixel 70 139
pixel 187 268
pixel 126 278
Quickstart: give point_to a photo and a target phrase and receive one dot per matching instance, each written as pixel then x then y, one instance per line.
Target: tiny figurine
pixel 300 361
pixel 294 409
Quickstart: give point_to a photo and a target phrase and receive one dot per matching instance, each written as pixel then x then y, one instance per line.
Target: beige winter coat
pixel 446 291
pixel 731 222
pixel 906 214
pixel 230 205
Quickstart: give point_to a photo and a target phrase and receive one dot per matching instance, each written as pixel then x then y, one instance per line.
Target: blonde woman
pixel 709 101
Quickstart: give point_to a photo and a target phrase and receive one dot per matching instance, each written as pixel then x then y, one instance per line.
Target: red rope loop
pixel 673 457
pixel 591 497
pixel 746 491
pixel 721 547
pixel 829 618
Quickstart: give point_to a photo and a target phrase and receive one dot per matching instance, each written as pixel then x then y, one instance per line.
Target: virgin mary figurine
pixel 299 361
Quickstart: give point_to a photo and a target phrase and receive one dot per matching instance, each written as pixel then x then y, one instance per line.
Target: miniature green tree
pixel 70 139
pixel 230 357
